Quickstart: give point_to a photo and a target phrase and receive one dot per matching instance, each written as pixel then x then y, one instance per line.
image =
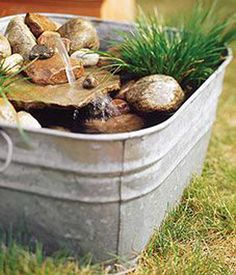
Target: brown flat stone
pixel 26 94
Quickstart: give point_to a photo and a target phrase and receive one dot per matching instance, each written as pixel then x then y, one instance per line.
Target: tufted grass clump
pixel 190 52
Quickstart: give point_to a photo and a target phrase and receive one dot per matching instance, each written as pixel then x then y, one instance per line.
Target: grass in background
pixel 199 236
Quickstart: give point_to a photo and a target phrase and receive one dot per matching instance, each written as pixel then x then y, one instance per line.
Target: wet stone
pixel 90 82
pixel 41 52
pixel 155 93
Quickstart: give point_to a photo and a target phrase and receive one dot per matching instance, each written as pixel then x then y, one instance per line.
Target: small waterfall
pixel 102 104
pixel 103 107
pixel 66 59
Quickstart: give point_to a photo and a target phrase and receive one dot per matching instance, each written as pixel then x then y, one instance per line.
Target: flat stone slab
pixel 28 95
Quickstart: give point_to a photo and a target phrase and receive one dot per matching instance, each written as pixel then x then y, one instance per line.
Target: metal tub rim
pixel 125 135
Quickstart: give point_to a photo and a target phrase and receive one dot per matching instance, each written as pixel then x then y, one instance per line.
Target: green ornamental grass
pixel 190 52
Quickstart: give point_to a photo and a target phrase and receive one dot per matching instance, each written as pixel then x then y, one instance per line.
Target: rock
pixel 49 38
pixel 90 82
pixel 39 23
pixel 9 116
pixel 58 25
pixel 117 124
pixel 81 33
pixel 88 57
pixel 7 112
pixel 5 47
pixel 27 121
pixel 20 37
pixel 124 89
pixel 121 106
pixel 52 71
pixel 27 95
pixel 153 93
pixel 67 43
pixel 12 64
pixel 41 52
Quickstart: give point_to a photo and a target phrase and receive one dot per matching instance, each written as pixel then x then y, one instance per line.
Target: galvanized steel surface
pixel 105 194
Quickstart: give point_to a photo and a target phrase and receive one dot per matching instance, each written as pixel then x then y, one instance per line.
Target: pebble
pixel 90 82
pixel 88 57
pixel 41 52
pixel 12 64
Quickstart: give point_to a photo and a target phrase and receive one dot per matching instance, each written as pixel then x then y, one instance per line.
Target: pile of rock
pixel 153 95
pixel 35 38
pixel 31 43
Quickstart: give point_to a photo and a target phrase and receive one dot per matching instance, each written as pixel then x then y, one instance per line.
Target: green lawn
pixel 199 237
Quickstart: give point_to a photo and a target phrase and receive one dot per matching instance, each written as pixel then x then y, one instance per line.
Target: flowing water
pixel 66 59
pixel 104 108
pixel 102 103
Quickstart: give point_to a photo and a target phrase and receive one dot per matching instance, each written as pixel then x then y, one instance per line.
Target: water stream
pixel 66 59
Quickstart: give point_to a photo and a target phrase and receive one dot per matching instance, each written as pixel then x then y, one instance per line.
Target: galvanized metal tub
pixel 105 194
